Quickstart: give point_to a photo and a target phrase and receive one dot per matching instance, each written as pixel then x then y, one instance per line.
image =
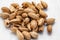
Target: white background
pixel 53 11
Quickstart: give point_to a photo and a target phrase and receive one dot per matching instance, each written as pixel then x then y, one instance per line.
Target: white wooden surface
pixel 53 11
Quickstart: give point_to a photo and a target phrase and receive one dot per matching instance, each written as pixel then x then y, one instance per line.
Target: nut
pixel 26 20
pixel 41 21
pixel 34 34
pixel 14 5
pixel 15 21
pixel 33 15
pixel 23 29
pixel 49 28
pixel 26 35
pixel 39 6
pixel 19 35
pixel 44 4
pixel 25 4
pixel 19 17
pixel 6 22
pixel 28 10
pixel 33 24
pixel 36 29
pixel 12 9
pixel 4 15
pixel 50 20
pixel 41 28
pixel 12 16
pixel 19 12
pixel 42 13
pixel 13 29
pixel 24 15
pixel 23 24
pixel 29 26
pixel 5 9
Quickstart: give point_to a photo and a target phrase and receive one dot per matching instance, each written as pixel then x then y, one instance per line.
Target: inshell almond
pixel 6 22
pixel 19 18
pixel 26 35
pixel 36 29
pixel 24 15
pixel 13 29
pixel 42 13
pixel 34 34
pixel 50 20
pixel 12 9
pixel 28 10
pixel 15 21
pixel 12 16
pixel 14 4
pixel 25 4
pixel 26 20
pixel 33 15
pixel 5 9
pixel 29 26
pixel 33 24
pixel 39 6
pixel 41 21
pixel 4 15
pixel 23 29
pixel 41 28
pixel 44 4
pixel 19 35
pixel 49 28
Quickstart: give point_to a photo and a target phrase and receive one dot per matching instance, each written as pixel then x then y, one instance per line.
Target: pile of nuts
pixel 28 20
